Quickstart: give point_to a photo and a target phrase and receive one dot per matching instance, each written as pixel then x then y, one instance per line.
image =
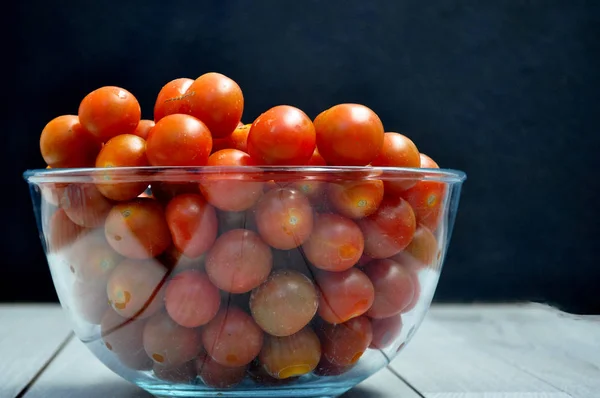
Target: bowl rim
pixel 183 173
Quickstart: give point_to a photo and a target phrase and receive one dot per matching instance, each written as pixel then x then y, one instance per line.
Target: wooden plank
pixel 561 349
pixel 29 336
pixel 440 360
pixel 76 373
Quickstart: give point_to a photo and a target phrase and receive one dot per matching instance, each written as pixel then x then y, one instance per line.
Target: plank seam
pixel 405 381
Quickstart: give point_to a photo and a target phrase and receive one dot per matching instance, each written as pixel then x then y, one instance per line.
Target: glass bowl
pixel 245 281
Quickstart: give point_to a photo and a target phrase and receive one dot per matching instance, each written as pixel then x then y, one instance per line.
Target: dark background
pixel 508 91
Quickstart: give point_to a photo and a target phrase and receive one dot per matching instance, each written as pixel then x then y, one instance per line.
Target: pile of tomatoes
pixel 217 279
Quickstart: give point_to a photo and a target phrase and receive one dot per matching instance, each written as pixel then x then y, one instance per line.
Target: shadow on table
pixel 122 390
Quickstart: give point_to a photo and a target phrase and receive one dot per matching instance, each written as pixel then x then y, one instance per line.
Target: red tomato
pixel 239 261
pixel 349 135
pixel 427 163
pixel 343 344
pixel 193 224
pixel 61 231
pixel 109 111
pixel 179 140
pixel 125 150
pixel 390 229
pixel 65 143
pixel 171 98
pixel 232 338
pixel 215 375
pixel 423 248
pixel 284 218
pixel 313 189
pixel 394 288
pixel 426 199
pixel 218 101
pixel 344 295
pixel 335 244
pixel 143 128
pixel 291 356
pixel 397 151
pixel 236 140
pixel 85 205
pixel 283 135
pixel 138 229
pixel 191 299
pixel 385 331
pixel 168 343
pixel 223 191
pixel 356 199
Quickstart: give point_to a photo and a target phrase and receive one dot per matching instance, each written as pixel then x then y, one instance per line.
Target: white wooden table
pixel 488 351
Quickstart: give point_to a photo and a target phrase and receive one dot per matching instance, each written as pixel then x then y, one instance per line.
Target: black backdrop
pixel 506 90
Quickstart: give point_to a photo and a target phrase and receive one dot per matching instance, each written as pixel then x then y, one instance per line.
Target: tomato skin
pixel 283 135
pixel 236 140
pixel 426 199
pixel 124 150
pixel 229 194
pixel 218 101
pixel 65 143
pixel 62 232
pixel 335 244
pixel 356 199
pixel 143 128
pixel 394 288
pixel 397 151
pixel 193 224
pixel 423 248
pixel 349 135
pixel 344 295
pixel 191 299
pixel 84 204
pixel 284 218
pixel 171 98
pixel 179 140
pixel 427 162
pixel 313 189
pixel 343 344
pixel 390 229
pixel 138 229
pixel 109 111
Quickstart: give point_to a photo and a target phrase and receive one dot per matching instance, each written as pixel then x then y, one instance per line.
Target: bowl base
pixel 320 392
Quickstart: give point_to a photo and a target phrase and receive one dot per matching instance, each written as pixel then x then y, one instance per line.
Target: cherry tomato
pixel 231 192
pixel 239 261
pixel 62 232
pixel 394 288
pixel 218 101
pixel 285 303
pixel 143 128
pixel 215 375
pixel 168 343
pixel 185 373
pixel 135 288
pixel 65 143
pixel 138 229
pixel 164 191
pixel 343 344
pixel 283 135
pixel 413 266
pixel 427 163
pixel 356 199
pixel 349 135
pixel 284 218
pixel 193 224
pixel 397 151
pixel 426 198
pixel 390 229
pixel 313 189
pixel 89 301
pixel 385 331
pixel 179 140
pixel 291 356
pixel 236 140
pixel 191 299
pixel 92 259
pixel 326 368
pixel 232 338
pixel 171 98
pixel 423 247
pixel 335 244
pixel 137 360
pixel 344 295
pixel 124 150
pixel 85 205
pixel 109 111
pixel 121 335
